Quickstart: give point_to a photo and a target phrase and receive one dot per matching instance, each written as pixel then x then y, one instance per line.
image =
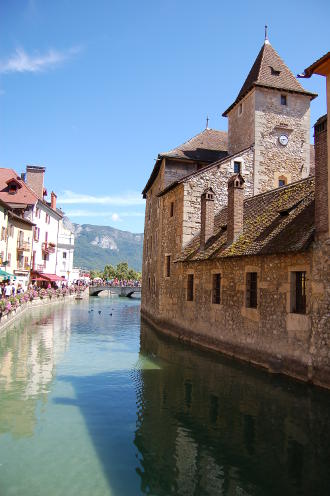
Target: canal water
pixel 94 404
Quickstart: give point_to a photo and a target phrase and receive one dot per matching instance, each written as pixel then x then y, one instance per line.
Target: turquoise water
pixel 93 404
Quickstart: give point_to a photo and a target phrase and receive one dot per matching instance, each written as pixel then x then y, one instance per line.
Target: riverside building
pixel 35 227
pixel 234 257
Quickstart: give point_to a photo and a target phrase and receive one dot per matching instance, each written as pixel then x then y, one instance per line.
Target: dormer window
pixel 13 186
pixel 283 100
pixel 274 72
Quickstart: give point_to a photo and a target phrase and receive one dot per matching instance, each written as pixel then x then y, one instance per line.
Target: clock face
pixel 283 139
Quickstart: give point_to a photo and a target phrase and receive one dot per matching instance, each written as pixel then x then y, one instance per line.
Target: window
pixel 298 292
pixel 240 109
pixel 64 254
pixel 274 72
pixel 281 182
pixel 8 259
pixel 36 233
pixel 237 167
pixel 251 289
pixel 149 283
pixel 216 287
pixel 283 100
pixel 190 287
pixel 171 209
pixel 167 265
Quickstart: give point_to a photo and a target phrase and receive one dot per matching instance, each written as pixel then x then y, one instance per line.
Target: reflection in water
pixel 27 367
pixel 88 406
pixel 211 426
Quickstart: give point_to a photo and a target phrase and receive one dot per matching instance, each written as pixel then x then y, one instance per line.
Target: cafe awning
pixel 3 273
pixel 47 277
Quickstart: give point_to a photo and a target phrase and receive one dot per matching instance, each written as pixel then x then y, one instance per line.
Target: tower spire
pixel 207 122
pixel 266 34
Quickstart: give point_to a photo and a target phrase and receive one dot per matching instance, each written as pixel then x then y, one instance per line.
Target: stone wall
pixel 269 335
pixel 241 125
pixel 217 177
pixel 271 121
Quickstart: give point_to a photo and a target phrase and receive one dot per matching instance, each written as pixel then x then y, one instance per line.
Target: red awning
pixel 48 277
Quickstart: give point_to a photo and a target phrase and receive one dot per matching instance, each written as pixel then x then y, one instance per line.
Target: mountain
pixel 97 246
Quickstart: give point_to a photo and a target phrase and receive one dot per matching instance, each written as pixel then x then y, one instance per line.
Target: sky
pixel 94 89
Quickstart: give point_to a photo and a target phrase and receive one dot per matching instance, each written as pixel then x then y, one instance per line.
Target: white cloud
pixel 113 215
pixel 71 198
pixel 21 61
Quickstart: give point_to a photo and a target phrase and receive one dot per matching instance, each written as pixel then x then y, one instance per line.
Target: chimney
pixel 207 216
pixel 35 179
pixel 53 200
pixel 235 207
pixel 321 177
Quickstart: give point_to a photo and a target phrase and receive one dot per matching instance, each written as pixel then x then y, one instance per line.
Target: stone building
pixel 229 249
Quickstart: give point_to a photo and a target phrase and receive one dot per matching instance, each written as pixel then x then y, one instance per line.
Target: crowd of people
pixel 115 282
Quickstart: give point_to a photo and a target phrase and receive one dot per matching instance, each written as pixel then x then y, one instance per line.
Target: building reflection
pixel 28 357
pixel 207 425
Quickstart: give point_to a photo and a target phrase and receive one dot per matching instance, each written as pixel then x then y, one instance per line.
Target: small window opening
pixel 168 265
pixel 216 287
pixel 190 287
pixel 274 72
pixel 283 100
pixel 240 109
pixel 282 181
pixel 64 254
pixel 237 167
pixel 252 289
pixel 171 209
pixel 298 292
pixel 149 283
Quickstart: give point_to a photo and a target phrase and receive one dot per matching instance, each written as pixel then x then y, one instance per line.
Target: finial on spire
pixel 266 34
pixel 207 122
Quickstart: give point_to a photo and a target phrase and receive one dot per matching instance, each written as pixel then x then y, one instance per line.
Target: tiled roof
pixel 269 70
pixel 316 67
pixel 278 221
pixel 207 146
pixel 24 195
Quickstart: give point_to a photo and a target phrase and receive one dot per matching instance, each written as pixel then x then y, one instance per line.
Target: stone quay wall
pixel 9 318
pixel 269 335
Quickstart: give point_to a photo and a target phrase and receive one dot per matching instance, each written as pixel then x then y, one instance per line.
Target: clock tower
pixel 272 114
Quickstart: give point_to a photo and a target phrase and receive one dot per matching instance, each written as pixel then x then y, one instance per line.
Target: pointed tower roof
pixel 269 71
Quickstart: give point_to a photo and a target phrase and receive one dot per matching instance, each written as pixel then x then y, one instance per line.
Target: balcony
pixel 48 247
pixel 23 245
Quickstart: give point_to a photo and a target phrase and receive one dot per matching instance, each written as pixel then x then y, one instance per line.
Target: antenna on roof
pixel 207 122
pixel 266 34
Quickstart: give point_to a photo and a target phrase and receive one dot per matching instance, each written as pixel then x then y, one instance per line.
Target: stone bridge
pixel 119 290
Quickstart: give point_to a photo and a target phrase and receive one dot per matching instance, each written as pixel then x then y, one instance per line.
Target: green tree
pixel 95 273
pixel 122 270
pixel 109 272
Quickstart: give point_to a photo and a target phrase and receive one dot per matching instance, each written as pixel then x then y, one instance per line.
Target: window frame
pixel 251 289
pixel 216 288
pixel 298 280
pixel 190 290
pixel 168 266
pixel 284 100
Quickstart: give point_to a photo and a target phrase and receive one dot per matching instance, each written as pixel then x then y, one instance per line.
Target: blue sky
pixel 94 89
